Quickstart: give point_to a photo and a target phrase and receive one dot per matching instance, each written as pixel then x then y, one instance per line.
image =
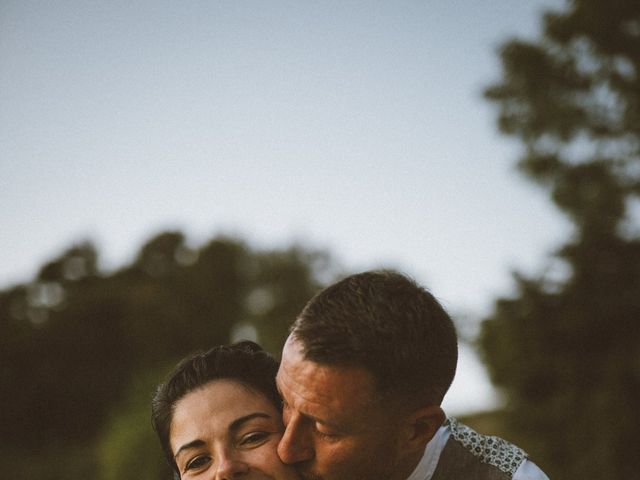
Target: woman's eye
pixel 253 438
pixel 198 462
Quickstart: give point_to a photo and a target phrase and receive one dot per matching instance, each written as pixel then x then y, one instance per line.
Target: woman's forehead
pixel 210 409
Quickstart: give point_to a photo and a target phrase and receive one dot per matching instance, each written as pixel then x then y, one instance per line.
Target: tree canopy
pixel 566 347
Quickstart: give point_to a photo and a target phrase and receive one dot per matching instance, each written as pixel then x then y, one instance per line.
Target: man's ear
pixel 422 425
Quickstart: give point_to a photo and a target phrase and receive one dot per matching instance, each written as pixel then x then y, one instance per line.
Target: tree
pixel 566 350
pixel 81 350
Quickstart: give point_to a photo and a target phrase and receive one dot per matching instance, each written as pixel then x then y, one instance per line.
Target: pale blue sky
pixel 356 126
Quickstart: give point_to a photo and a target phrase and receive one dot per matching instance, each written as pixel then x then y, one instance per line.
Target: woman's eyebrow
pixel 238 422
pixel 233 426
pixel 194 444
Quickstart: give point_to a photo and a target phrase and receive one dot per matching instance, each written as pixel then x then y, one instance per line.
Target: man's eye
pixel 198 462
pixel 325 435
pixel 253 438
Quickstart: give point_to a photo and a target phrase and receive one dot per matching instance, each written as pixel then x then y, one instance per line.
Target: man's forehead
pixel 323 383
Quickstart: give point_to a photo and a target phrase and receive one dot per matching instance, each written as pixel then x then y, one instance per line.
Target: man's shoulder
pixel 488 449
pixel 471 455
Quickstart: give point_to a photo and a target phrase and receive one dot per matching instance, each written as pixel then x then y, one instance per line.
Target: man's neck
pixel 407 466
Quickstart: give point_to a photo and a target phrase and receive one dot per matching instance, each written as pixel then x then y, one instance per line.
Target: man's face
pixel 336 426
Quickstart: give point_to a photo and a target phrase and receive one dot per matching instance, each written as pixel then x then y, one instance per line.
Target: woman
pixel 218 416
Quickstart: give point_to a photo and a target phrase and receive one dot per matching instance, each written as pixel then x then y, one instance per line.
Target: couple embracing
pixel 356 396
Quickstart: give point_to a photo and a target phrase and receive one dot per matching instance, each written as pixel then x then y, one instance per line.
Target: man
pixel 362 377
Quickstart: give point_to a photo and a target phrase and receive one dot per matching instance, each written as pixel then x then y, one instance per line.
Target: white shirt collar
pixel 429 461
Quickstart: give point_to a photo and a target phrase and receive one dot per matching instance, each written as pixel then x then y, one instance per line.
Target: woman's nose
pixel 231 466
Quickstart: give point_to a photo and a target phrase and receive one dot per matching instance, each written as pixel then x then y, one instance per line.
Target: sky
pixel 356 127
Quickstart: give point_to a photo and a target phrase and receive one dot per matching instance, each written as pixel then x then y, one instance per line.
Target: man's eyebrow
pixel 324 422
pixel 306 415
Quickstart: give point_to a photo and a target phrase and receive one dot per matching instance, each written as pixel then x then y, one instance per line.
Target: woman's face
pixel 224 430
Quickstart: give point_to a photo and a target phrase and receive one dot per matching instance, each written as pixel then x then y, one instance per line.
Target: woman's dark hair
pixel 244 362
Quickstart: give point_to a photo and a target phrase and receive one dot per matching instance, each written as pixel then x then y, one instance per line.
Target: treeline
pixel 81 349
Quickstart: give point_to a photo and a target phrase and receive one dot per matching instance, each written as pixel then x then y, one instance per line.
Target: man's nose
pixel 295 445
pixel 230 466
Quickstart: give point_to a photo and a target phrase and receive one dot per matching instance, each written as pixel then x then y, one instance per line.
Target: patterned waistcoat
pixel 469 455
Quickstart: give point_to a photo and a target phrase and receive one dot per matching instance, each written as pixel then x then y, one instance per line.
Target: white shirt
pixel 424 471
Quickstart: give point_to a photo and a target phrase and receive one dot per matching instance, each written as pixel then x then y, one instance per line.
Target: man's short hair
pixel 386 323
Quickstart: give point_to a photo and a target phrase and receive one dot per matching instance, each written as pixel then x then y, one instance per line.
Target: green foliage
pixel 82 349
pixel 566 348
pixel 128 447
